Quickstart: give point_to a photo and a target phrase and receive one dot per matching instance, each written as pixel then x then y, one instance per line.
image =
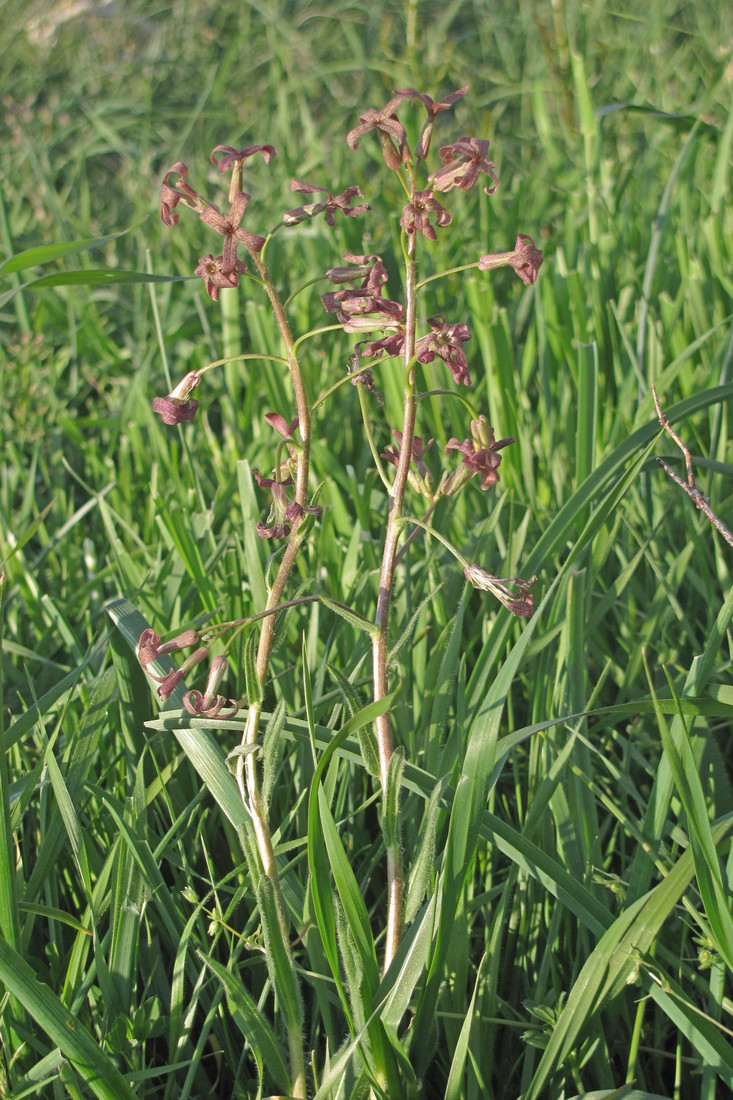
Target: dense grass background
pixel 594 923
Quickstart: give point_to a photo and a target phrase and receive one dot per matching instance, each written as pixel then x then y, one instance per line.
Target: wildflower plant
pixel 387 337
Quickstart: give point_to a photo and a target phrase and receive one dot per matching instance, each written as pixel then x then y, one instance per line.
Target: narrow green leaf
pixel 352 617
pixel 454 1085
pixel 367 739
pixel 279 961
pixel 391 799
pixel 254 1026
pixel 97 1070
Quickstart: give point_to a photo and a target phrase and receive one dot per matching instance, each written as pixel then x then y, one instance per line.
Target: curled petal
pixel 463 162
pixel 169 683
pixel 277 531
pixel 172 194
pixel 526 259
pixel 148 648
pixel 232 156
pixel 194 702
pixel 280 424
pixel 391 346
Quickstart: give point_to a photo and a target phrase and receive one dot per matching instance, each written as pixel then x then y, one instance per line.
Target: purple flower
pixel 228 226
pixel 366 267
pixel 420 478
pixel 172 194
pixel 280 424
pixel 209 705
pixel 287 431
pixel 480 456
pixel 392 345
pixel 150 647
pixel 416 215
pixel 178 405
pixel 340 202
pixel 211 270
pixel 289 510
pixel 446 341
pixel 525 259
pixel 433 109
pixel 352 305
pixel 392 133
pixel 234 157
pixel 519 603
pixel 169 683
pixel 418 450
pixel 463 163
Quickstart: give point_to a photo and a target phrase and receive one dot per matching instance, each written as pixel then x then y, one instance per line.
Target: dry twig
pixel 689 486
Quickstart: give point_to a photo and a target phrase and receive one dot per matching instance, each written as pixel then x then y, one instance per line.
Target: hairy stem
pixel 247 776
pixel 383 725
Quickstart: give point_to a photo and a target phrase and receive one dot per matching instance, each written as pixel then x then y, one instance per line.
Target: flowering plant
pixel 389 338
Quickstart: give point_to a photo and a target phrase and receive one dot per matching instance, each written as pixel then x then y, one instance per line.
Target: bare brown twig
pixel 689 486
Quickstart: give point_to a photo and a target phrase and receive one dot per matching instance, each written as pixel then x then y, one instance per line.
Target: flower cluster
pixel 209 705
pixel 222 271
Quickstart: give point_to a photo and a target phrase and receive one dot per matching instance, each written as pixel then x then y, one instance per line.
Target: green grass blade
pixel 94 1066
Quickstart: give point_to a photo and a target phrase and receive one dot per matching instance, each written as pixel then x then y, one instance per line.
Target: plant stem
pixel 247 776
pixel 383 726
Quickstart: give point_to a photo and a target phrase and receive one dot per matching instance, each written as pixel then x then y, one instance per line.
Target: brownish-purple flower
pixel 333 203
pixel 180 191
pixel 211 270
pixel 433 109
pixel 352 305
pixel 392 133
pixel 480 456
pixel 209 705
pixel 170 682
pixel 233 157
pixel 150 647
pixel 228 226
pixel 391 346
pixel 463 163
pixel 288 510
pixel 519 603
pixel 420 478
pixel 446 341
pixel 178 405
pixel 370 268
pixel 525 259
pixel 416 215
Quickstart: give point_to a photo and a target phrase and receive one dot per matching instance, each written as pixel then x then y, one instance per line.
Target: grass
pixel 566 793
